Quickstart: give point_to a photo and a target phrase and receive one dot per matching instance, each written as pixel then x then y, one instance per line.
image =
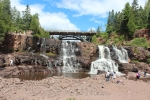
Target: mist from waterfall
pixel 104 62
pixel 69 58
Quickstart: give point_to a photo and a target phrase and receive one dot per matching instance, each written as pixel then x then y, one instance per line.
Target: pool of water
pixel 43 76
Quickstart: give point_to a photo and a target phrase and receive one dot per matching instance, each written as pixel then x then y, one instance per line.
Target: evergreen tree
pixel 26 19
pixel 123 27
pixel 141 19
pixel 148 22
pixel 131 25
pixel 110 23
pixel 98 31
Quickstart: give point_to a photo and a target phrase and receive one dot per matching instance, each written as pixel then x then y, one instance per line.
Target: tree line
pixel 12 20
pixel 131 18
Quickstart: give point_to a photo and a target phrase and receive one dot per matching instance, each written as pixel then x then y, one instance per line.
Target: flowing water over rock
pixel 68 56
pixel 105 63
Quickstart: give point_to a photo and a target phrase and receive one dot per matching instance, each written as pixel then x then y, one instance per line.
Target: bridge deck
pixel 72 33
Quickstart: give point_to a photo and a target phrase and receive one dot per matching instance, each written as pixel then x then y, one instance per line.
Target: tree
pixel 26 19
pixel 148 22
pixel 6 17
pixel 16 19
pixel 131 25
pixel 98 31
pixel 94 38
pixel 110 22
pixel 123 27
pixel 35 25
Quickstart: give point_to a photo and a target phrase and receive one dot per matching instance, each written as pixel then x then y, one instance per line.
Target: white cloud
pixel 49 21
pixel 95 7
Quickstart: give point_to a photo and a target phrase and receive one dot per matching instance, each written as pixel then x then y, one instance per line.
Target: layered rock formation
pixel 27 59
pixel 88 53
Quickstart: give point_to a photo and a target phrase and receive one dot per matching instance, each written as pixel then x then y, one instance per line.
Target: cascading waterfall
pixel 68 57
pixel 105 62
pixel 43 49
pixel 121 55
pixel 49 64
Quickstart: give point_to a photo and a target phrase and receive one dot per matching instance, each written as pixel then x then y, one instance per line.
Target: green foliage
pixel 50 54
pixel 71 99
pixel 136 61
pixel 148 60
pixel 94 38
pixel 115 39
pixel 104 35
pixel 34 25
pixel 26 19
pixel 131 18
pixel 136 50
pixel 141 42
pixel 131 25
pixel 98 32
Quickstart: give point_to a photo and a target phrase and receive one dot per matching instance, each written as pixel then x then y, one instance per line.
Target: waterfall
pixel 68 57
pixel 121 55
pixel 104 62
pixel 43 45
pixel 49 64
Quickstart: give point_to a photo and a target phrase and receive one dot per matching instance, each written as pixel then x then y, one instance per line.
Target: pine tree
pixel 110 22
pixel 131 25
pixel 148 22
pixel 98 31
pixel 26 19
pixel 123 27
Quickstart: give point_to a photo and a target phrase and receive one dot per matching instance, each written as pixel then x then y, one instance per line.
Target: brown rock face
pixel 143 33
pixel 15 42
pixel 19 42
pixel 88 53
pixel 137 53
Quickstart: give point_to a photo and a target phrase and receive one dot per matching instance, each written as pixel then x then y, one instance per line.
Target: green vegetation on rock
pixel 139 42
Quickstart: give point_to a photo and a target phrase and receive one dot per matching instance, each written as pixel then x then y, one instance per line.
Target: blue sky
pixel 81 15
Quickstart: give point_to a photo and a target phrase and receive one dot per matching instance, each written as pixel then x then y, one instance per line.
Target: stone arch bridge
pixel 73 35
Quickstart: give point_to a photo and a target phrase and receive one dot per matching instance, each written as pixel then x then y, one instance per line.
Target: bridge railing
pixel 69 31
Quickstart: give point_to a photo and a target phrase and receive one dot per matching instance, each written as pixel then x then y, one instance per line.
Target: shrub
pixel 148 60
pixel 94 38
pixel 136 51
pixel 140 42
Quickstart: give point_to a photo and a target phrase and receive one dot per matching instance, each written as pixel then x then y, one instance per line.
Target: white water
pixel 43 46
pixel 69 57
pixel 104 62
pixel 49 64
pixel 121 55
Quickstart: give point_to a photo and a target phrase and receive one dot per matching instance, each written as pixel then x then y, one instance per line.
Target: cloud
pixel 94 7
pixel 48 20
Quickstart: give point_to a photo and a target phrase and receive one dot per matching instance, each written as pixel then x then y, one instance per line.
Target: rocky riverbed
pixel 65 88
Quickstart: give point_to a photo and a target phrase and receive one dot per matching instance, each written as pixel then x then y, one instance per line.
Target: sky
pixel 72 15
